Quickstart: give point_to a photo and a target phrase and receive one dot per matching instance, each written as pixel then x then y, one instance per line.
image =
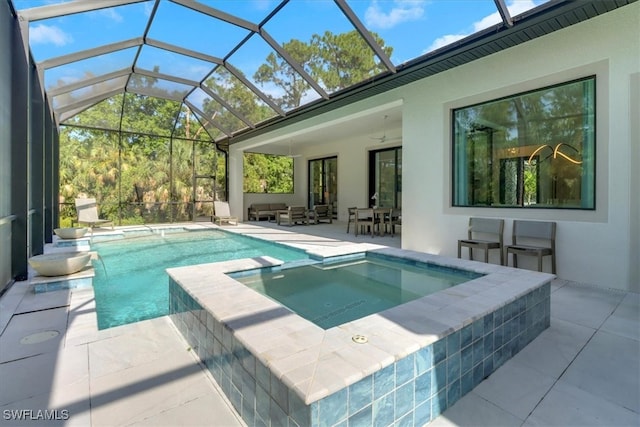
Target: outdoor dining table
pixel 372 218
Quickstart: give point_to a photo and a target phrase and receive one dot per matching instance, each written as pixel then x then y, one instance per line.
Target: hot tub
pixel 405 364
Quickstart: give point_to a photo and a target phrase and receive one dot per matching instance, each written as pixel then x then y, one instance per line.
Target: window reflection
pixel 531 150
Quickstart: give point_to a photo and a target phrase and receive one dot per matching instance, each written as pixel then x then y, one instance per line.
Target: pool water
pixel 131 283
pixel 335 293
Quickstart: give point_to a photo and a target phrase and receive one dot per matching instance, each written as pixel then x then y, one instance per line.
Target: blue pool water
pixel 131 283
pixel 335 293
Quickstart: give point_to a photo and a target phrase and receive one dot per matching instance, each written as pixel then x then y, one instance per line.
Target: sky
pixel 412 27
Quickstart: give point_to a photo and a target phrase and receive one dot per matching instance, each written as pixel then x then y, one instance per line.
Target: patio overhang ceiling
pixel 142 63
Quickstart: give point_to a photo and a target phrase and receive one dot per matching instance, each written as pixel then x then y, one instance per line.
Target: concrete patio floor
pixel 582 371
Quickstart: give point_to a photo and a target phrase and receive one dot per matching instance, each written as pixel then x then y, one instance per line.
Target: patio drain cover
pixel 39 337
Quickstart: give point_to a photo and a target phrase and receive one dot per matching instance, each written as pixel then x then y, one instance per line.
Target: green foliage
pixel 164 165
pixel 137 178
pixel 266 173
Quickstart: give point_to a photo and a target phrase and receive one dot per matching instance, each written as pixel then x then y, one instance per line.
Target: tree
pixel 335 61
pixel 344 59
pixel 278 72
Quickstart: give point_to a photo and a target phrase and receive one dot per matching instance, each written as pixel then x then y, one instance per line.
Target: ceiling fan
pixel 382 139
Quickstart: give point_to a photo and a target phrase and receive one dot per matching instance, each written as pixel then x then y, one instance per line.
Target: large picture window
pixel 535 149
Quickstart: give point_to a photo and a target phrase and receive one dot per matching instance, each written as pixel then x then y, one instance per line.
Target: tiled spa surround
pixel 420 358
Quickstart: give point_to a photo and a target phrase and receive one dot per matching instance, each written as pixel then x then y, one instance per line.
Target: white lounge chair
pixel 222 213
pixel 87 211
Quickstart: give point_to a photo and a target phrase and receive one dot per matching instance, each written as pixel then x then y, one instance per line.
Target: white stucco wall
pixel 599 247
pixel 592 246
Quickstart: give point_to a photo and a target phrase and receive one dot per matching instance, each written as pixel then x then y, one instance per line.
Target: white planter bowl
pixel 71 232
pixel 59 264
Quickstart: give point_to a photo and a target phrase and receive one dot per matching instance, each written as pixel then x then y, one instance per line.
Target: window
pixel 267 173
pixel 535 149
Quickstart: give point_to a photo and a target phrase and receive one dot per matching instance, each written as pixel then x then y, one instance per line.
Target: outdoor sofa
pixel 258 211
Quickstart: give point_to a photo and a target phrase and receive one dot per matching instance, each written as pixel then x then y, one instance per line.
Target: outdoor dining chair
pixel 485 234
pixel 528 238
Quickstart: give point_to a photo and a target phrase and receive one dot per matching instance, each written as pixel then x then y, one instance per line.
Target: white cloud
pixel 516 7
pixel 262 4
pixel 402 11
pixel 110 13
pixel 444 41
pixel 43 34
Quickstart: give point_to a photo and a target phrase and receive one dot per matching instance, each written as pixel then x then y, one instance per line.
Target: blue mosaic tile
pixel 439 403
pixel 236 398
pixel 405 369
pixel 488 343
pixel 422 387
pixel 405 421
pixel 280 393
pixel 300 412
pixel 277 416
pixel 225 384
pixel 422 413
pixel 411 391
pixel 453 367
pixel 404 399
pixel 248 411
pixel 466 383
pixel 362 418
pixel 424 360
pixel 497 336
pixel 384 381
pixel 497 318
pixel 383 411
pixel 315 413
pixel 333 408
pixel 488 322
pixel 453 392
pixel 263 375
pixel 478 329
pixel 263 401
pixel 466 336
pixel 467 359
pixel 453 343
pixel 439 351
pixel 439 377
pixel 478 351
pixel 360 394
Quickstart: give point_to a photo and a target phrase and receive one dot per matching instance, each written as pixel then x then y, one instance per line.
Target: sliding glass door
pixel 323 183
pixel 385 178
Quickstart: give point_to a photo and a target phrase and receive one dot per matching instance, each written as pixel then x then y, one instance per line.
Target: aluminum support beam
pixel 90 53
pixel 504 12
pixel 70 8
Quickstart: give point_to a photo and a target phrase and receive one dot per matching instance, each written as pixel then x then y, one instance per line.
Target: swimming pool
pixel 131 283
pixel 338 292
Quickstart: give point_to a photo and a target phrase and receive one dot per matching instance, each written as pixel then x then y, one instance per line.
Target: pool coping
pixel 314 362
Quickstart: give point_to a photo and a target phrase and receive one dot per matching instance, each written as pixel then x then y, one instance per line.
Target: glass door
pixel 385 180
pixel 323 183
